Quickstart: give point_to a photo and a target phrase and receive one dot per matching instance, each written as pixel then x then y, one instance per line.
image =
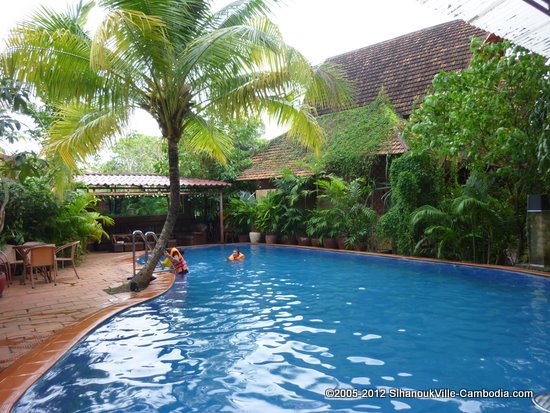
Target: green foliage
pixel 33 213
pixel 24 165
pixel 415 181
pixel 344 213
pixel 492 118
pixel 241 213
pixel 246 143
pixel 269 209
pixel 14 97
pixel 293 192
pixel 143 205
pixel 356 135
pixel 135 153
pixel 78 219
pixel 473 226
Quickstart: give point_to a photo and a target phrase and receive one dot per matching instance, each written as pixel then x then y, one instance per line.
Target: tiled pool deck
pixel 47 320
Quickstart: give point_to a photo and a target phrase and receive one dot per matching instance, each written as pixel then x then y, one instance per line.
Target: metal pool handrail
pixel 149 245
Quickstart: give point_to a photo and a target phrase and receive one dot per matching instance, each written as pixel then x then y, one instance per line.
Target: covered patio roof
pixel 141 184
pixel 524 22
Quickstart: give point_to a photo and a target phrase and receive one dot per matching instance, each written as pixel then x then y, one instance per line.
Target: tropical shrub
pixel 345 212
pixel 268 213
pixel 473 226
pixel 33 213
pixel 293 191
pixel 241 213
pixel 492 118
pixel 415 181
pixel 78 219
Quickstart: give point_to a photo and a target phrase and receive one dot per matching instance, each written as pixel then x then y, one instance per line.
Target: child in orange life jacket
pixel 176 261
pixel 236 256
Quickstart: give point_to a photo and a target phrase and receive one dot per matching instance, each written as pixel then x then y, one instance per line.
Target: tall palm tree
pixel 179 61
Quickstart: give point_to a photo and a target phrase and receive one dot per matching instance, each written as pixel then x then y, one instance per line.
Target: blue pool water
pixel 272 333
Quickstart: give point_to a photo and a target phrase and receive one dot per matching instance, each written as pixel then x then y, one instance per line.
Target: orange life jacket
pixel 238 257
pixel 181 265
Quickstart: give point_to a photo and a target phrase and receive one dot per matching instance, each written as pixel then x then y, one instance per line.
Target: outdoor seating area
pixel 259 227
pixel 30 316
pixel 123 243
pixel 37 261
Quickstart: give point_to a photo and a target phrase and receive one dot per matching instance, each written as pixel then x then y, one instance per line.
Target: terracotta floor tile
pixel 30 317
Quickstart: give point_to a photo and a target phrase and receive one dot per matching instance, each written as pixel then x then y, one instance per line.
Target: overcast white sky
pixel 317 28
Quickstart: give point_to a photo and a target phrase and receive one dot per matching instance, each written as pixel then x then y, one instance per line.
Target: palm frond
pixel 58 66
pixel 232 50
pixel 132 43
pixel 204 137
pixel 427 215
pixel 81 129
pixel 184 19
pixel 239 12
pixel 328 89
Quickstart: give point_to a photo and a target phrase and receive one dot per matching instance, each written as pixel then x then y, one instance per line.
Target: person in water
pixel 176 260
pixel 236 256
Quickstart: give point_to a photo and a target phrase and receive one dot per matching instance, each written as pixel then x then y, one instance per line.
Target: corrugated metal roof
pixel 524 22
pixel 143 181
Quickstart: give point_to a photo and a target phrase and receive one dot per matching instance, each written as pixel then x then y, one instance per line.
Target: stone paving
pixel 30 316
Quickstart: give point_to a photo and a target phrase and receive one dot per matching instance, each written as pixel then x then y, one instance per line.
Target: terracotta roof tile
pixel 405 66
pixel 280 154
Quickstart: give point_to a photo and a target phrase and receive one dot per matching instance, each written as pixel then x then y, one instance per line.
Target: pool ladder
pixel 149 245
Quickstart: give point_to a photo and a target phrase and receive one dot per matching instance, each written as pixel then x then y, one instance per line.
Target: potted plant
pixel 323 226
pixel 240 214
pixel 268 213
pixel 292 222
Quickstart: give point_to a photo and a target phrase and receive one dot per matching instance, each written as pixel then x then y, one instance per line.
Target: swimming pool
pixel 274 332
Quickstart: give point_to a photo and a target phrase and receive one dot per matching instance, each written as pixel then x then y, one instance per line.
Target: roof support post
pixel 222 235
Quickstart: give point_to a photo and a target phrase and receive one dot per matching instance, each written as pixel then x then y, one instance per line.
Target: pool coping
pixel 25 371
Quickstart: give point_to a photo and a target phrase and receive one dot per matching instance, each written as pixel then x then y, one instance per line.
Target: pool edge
pixel 25 371
pixel 403 257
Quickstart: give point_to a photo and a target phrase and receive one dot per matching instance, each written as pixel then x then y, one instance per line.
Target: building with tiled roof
pixel 403 67
pixel 406 65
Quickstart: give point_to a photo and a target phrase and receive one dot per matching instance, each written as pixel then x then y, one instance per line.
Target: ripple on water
pixel 272 333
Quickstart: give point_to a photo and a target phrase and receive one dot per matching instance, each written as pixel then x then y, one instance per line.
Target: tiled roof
pixel 142 181
pixel 280 154
pixel 406 65
pixel 395 146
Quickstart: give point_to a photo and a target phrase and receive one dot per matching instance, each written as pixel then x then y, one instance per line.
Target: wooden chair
pixel 62 257
pixel 14 257
pixel 40 259
pixel 4 262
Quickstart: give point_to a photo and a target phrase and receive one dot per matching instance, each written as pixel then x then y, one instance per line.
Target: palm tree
pixel 177 60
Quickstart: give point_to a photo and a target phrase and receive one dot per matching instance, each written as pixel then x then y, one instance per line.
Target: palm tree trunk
pixel 143 277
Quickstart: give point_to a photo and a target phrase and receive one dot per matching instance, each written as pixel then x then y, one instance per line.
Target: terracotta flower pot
pixel 304 241
pixel 271 239
pixel 330 243
pixel 341 241
pixel 292 240
pixel 315 242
